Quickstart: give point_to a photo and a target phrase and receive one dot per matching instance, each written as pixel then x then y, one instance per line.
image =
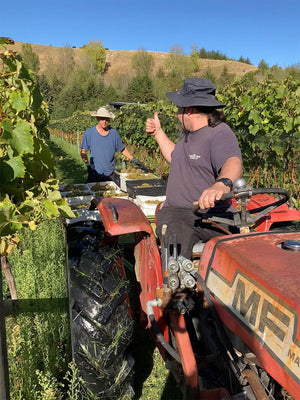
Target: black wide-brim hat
pixel 197 92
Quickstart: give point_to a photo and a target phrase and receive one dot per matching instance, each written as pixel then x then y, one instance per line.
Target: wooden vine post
pixel 6 268
pixel 4 379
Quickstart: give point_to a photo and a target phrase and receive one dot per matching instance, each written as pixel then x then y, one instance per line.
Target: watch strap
pixel 226 182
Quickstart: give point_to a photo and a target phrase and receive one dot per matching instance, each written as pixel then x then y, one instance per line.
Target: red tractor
pixel 226 322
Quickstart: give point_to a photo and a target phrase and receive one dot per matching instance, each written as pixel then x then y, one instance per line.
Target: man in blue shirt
pixel 102 142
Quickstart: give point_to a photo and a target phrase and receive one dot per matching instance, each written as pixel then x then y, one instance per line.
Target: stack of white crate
pixel 79 197
pixel 106 189
pixel 148 204
pixel 76 194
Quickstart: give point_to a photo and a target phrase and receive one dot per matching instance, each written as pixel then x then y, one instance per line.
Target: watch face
pixel 226 181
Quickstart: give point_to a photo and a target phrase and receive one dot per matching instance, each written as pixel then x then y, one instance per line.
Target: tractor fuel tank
pixel 255 284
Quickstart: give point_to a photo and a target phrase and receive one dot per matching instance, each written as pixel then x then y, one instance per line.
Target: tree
pixel 294 71
pixel 60 68
pixel 225 78
pixel 203 53
pixel 50 86
pixel 65 64
pixel 121 83
pixel 244 60
pixel 178 67
pixel 57 73
pixel 109 94
pixel 142 62
pixel 160 85
pixel 96 56
pixel 31 59
pixel 212 55
pixel 81 92
pixel 140 89
pixel 263 65
pixel 44 88
pixel 208 74
pixel 195 57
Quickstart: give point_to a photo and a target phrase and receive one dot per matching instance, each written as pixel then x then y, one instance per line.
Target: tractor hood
pixel 255 283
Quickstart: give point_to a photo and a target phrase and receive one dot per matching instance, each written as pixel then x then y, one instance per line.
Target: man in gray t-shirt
pixel 204 163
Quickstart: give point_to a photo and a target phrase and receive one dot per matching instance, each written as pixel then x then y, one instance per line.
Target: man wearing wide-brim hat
pixel 102 142
pixel 204 164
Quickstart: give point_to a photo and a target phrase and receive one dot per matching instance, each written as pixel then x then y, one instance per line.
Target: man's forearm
pixel 127 154
pixel 166 145
pixel 84 156
pixel 232 169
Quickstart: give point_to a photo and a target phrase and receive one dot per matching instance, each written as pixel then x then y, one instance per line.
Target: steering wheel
pixel 243 194
pixel 251 192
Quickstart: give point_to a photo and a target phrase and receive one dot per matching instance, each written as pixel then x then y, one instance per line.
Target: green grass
pixel 69 168
pixel 152 380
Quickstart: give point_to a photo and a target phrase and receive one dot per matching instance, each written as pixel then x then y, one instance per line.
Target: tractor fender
pixel 122 216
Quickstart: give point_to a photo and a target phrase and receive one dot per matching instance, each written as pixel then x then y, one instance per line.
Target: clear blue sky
pixel 254 29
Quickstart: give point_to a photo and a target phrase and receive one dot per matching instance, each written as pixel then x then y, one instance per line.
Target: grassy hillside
pixel 120 61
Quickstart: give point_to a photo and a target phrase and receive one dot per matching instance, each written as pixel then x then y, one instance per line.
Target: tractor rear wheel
pixel 101 323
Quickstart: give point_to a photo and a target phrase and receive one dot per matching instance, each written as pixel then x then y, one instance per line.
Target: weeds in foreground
pixel 49 387
pixel 74 382
pixel 38 340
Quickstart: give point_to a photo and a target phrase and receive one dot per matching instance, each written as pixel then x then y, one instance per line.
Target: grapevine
pixel 266 120
pixel 28 191
pixel 265 117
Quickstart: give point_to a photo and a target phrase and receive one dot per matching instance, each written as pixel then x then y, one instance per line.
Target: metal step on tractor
pixel 226 322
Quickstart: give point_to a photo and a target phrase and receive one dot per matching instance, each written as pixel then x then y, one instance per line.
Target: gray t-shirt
pixel 196 162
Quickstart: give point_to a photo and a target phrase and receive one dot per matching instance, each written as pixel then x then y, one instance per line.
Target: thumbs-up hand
pixel 153 125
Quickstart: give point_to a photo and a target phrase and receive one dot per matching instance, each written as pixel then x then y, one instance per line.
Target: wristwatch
pixel 226 181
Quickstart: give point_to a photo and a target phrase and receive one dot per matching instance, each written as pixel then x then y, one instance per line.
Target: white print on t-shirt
pixel 194 156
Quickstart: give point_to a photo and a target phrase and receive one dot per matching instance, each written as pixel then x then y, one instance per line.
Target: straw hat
pixel 103 112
